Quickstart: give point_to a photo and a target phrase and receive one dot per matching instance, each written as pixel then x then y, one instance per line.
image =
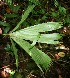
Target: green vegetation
pixel 32 34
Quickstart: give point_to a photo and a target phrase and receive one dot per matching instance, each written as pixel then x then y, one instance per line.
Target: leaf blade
pixel 40 58
pixel 50 38
pixel 15 52
pixel 29 9
pixel 49 26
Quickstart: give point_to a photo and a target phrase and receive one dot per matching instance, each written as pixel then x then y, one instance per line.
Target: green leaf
pixel 12 72
pixel 50 38
pixel 6 29
pixel 56 3
pixel 44 38
pixel 9 1
pixel 54 14
pixel 26 13
pixel 49 26
pixel 11 15
pixel 42 11
pixel 67 19
pixel 42 60
pixel 34 1
pixel 31 33
pixel 14 8
pixel 4 23
pixel 15 52
pixel 44 17
pixel 62 10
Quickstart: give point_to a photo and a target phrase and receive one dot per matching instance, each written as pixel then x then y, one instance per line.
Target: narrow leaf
pixel 11 15
pixel 34 1
pixel 34 30
pixel 49 26
pixel 50 38
pixel 4 23
pixel 29 9
pixel 15 52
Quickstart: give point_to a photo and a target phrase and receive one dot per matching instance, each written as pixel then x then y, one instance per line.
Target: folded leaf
pixel 42 60
pixel 49 26
pixel 32 36
pixel 50 38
